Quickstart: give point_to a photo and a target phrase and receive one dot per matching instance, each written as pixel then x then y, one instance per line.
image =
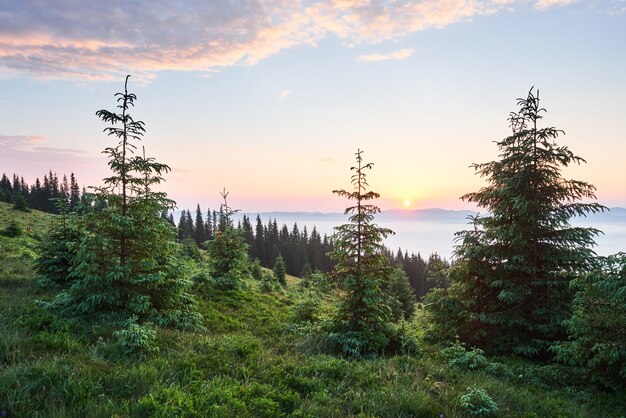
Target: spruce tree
pixel 199 234
pixel 280 270
pixel 596 329
pixel 362 324
pixel 125 271
pixel 74 193
pixel 511 292
pixel 58 247
pixel 228 252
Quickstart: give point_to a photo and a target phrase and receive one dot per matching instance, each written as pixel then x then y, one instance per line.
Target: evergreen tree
pixel 208 226
pixel 511 283
pixel 74 193
pixel 362 324
pixel 259 240
pixel 125 271
pixel 280 270
pixel 401 297
pixel 248 235
pixel 597 330
pixel 199 234
pixel 228 253
pixel 58 247
pixel 437 272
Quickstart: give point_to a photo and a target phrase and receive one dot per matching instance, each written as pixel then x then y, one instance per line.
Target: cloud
pixel 24 155
pixel 29 144
pixel 92 40
pixel 546 4
pixel 284 94
pixel 392 56
pixel 19 142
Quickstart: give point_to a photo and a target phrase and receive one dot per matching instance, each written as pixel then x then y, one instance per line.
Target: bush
pixel 307 309
pixel 477 403
pixel 269 283
pixel 12 230
pixel 136 339
pixel 459 358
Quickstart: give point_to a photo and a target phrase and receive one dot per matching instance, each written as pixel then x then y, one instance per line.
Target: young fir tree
pixel 280 271
pixel 58 247
pixel 401 297
pixel 597 330
pixel 363 322
pixel 511 283
pixel 125 271
pixel 228 252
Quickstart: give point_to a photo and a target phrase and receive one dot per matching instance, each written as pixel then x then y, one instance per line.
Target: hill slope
pixel 259 356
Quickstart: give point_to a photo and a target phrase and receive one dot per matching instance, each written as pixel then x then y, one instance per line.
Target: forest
pixel 109 308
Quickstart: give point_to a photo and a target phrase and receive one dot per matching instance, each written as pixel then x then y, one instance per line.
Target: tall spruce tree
pixel 511 283
pixel 125 271
pixel 362 324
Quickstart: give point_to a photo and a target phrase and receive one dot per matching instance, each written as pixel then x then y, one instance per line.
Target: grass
pixel 254 359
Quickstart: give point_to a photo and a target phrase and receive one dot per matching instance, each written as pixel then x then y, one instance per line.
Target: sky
pixel 271 99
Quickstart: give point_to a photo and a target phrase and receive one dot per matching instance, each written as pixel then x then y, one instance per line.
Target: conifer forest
pixel 115 302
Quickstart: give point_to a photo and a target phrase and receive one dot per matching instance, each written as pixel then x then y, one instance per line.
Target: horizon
pixel 271 101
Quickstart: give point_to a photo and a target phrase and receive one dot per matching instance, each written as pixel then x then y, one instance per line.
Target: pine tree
pixel 280 270
pixel 511 292
pixel 125 272
pixel 362 324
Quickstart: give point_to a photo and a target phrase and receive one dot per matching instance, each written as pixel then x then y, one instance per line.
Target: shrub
pixel 12 230
pixel 477 403
pixel 135 338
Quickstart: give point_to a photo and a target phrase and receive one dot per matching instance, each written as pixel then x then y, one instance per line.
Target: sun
pixel 407 203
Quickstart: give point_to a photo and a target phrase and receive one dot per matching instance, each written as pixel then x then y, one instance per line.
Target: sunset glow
pixel 272 100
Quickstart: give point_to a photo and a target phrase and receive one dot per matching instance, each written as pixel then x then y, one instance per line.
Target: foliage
pixel 459 357
pixel 135 338
pixel 255 269
pixel 400 296
pixel 20 203
pixel 362 324
pixel 269 282
pixel 307 308
pixel 437 272
pixel 12 230
pixel 477 403
pixel 280 270
pixel 58 247
pixel 597 331
pixel 317 281
pixel 125 265
pixel 511 282
pixel 228 252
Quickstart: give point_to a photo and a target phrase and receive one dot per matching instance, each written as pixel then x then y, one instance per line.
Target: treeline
pixel 302 252
pixel 42 194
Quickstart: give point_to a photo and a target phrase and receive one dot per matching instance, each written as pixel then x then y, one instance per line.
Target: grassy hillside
pixel 257 357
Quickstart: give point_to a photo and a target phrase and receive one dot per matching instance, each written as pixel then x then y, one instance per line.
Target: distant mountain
pixel 436 215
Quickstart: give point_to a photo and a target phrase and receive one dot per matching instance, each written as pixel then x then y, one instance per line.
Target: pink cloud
pixel 100 40
pixel 392 56
pixel 9 142
pixel 546 4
